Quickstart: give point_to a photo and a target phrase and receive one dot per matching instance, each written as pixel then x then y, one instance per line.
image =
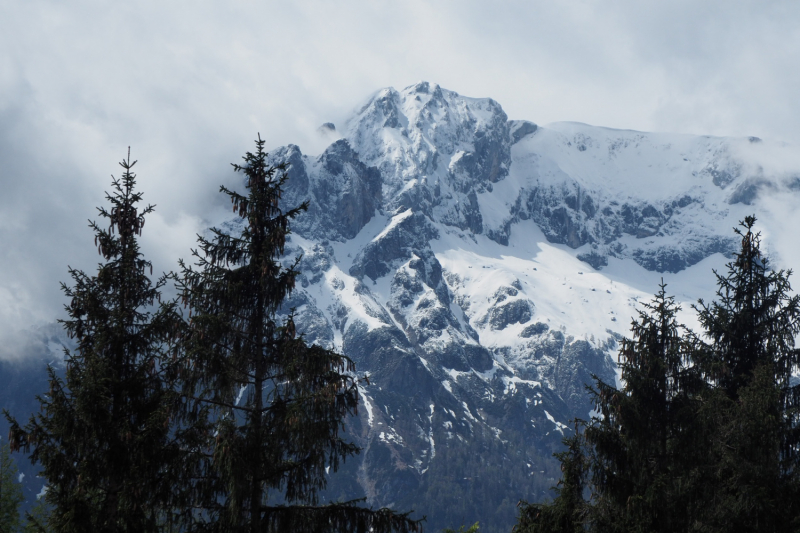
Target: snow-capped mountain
pixel 482 269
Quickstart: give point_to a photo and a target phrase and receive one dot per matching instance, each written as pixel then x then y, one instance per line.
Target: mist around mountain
pixel 481 270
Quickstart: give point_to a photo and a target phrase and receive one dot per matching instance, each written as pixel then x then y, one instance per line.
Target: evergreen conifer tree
pixel 638 439
pixel 277 404
pixel 752 408
pixel 704 435
pixel 10 492
pixel 103 435
pixel 754 320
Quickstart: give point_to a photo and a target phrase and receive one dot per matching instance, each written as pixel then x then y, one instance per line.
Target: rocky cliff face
pixel 475 267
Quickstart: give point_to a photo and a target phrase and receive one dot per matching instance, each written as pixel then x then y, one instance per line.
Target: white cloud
pixel 189 84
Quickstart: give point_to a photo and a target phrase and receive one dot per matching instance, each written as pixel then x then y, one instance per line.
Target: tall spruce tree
pixel 103 436
pixel 748 357
pixel 639 441
pixel 278 405
pixel 627 454
pixel 753 321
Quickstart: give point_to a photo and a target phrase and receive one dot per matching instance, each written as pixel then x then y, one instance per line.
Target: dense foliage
pixel 102 436
pixel 227 422
pixel 277 405
pixel 703 435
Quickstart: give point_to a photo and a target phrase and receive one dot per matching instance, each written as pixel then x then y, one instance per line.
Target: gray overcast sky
pixel 188 84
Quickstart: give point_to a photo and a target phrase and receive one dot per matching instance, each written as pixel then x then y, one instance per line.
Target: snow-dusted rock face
pixel 481 270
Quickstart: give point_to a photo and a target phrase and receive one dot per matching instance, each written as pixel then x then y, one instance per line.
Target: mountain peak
pixel 483 269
